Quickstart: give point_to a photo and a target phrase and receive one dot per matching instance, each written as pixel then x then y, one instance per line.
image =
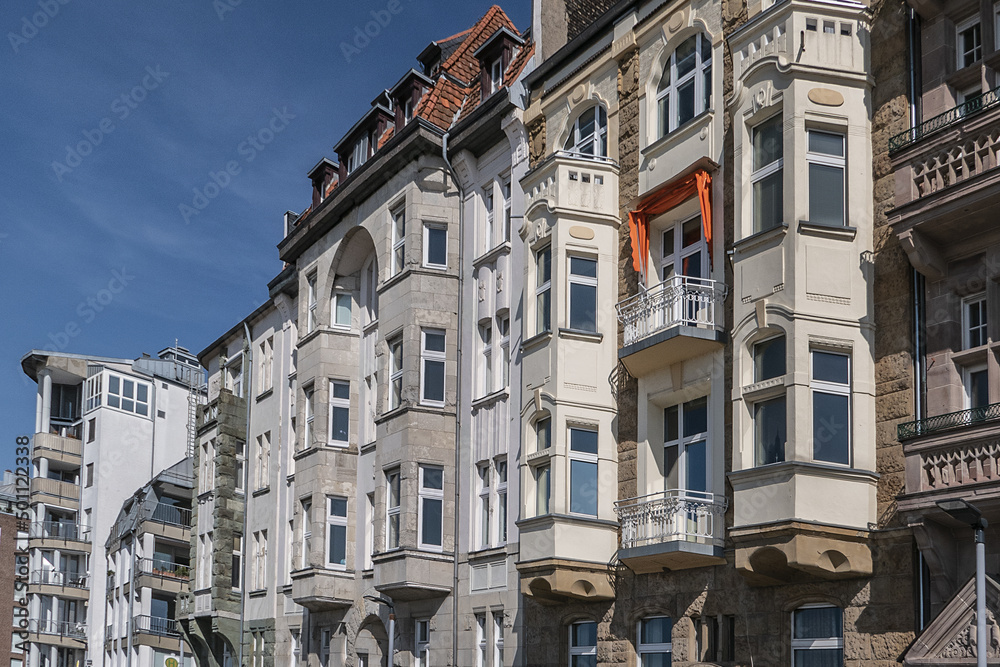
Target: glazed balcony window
pixel 589 135
pixel 768 173
pixel 685 89
pixel 685 445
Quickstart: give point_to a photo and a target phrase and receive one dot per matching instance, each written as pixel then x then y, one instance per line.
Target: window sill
pixel 338 445
pixel 538 340
pixel 491 254
pixel 972 355
pixel 265 394
pixel 493 397
pixel 258 593
pixel 966 77
pixel 577 334
pixel 343 330
pixel 261 492
pixel 392 280
pixel 539 457
pixel 760 238
pixel 828 231
pixel 434 267
pixel 764 389
pixel 488 553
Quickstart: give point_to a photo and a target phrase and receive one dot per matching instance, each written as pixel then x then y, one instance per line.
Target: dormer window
pixel 495 56
pixel 496 75
pixel 359 154
pixel 408 108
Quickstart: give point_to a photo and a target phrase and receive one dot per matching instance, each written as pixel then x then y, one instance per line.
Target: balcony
pixel 323 590
pixel 67 634
pixel 950 456
pixel 55 492
pixel 169 521
pixel 155 625
pixel 678 319
pixel 55 582
pixel 57 448
pixel 162 575
pixel 673 529
pixel 580 186
pixel 947 184
pixel 59 535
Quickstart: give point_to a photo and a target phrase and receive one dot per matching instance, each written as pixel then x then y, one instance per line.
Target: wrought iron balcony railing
pixel 949 421
pixel 59 578
pixel 970 107
pixel 670 516
pixel 59 530
pixel 680 300
pixel 155 625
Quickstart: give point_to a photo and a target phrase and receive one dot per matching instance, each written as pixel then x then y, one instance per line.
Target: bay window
pixel 431 519
pixel 392 498
pixel 825 158
pixel 582 294
pixel 398 241
pixel 340 412
pixel 831 402
pixel 543 290
pixel 336 533
pixel 395 376
pixel 583 471
pixel 767 174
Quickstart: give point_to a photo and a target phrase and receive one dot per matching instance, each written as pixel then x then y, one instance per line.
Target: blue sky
pixel 113 113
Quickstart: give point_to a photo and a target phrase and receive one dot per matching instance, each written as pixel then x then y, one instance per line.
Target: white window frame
pixel 644 649
pixel 339 404
pixel 809 644
pixel 296 648
pixel 395 371
pixel 266 364
pixel 496 75
pixel 481 643
pixel 421 642
pixel 433 357
pixel 766 170
pixel 543 424
pixel 577 279
pixel 503 328
pixel 505 192
pixel 498 638
pixel 486 380
pixel 397 258
pixel 968 303
pixel 682 442
pixel 583 457
pixel 598 139
pixel 312 309
pixel 484 477
pixel 335 301
pixel 310 427
pixel 358 155
pixel 393 511
pixel 259 560
pixel 500 474
pixel 237 574
pixel 334 521
pixel 580 650
pixel 830 160
pixel 543 290
pixel 426 494
pixel 543 505
pixel 262 479
pixel 305 532
pixel 206 479
pixel 240 476
pixel 489 220
pixel 669 92
pixel 960 51
pixel 369 531
pixel 117 399
pixel 436 226
pixel 834 389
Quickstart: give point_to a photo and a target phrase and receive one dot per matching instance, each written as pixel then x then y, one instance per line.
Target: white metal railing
pixel 679 300
pixel 73 629
pixel 671 516
pixel 59 530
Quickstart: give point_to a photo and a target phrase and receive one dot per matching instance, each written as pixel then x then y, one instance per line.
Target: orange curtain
pixel 661 201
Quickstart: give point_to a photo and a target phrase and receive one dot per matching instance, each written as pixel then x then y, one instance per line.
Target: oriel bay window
pixel 582 293
pixel 826 160
pixel 543 290
pixel 589 135
pixel 831 402
pixel 769 423
pixel 767 174
pixel 431 520
pixel 685 88
pixel 685 445
pixel 583 471
pixel 336 533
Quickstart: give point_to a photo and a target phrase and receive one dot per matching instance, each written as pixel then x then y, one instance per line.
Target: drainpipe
pixel 247 389
pixel 919 334
pixel 458 390
pixel 131 599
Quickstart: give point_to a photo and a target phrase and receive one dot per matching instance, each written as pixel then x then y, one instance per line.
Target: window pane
pixel 543 262
pixel 341 423
pixel 586 122
pixel 543 433
pixel 434 342
pixel 831 428
pixel 338 545
pixel 338 507
pixel 767 204
pixel 113 384
pixel 344 309
pixel 656 659
pixel 583 635
pixel 663 112
pixel 543 314
pixel 394 490
pixel 827 143
pixel 434 380
pixel 583 488
pixel 769 359
pixel 697 466
pixel 685 56
pixel 581 266
pixel 431 524
pixel 769 430
pixel 670 429
pixel 979 390
pixel 831 367
pixel 668 243
pixel 581 440
pixel 818 623
pixel 142 393
pixel 696 416
pixel 584 661
pixel 433 478
pixel 826 194
pixel 655 630
pixel 542 490
pixel 437 246
pixel 767 142
pixel 685 102
pixel 670 470
pixel 341 390
pixel 692 232
pixel 393 531
pixel 583 307
pixel 833 657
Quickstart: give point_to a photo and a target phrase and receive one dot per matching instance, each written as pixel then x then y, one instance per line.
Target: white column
pixel 46 376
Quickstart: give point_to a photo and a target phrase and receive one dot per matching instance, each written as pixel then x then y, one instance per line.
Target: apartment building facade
pixel 103 428
pixel 336 515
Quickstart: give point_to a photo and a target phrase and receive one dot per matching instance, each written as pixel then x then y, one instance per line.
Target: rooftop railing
pixel 949 421
pixel 952 116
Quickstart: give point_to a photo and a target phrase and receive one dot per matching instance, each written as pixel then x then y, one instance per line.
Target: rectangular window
pixel 305 531
pixel 496 75
pixel 398 241
pixel 343 304
pixel 358 155
pixel 237 571
pixel 501 468
pixel 543 433
pixel 241 467
pixel 543 477
pixel 89 476
pixel 260 560
pixel 92 389
pixel 969 42
pixel 422 642
pixel 974 321
pixel 431 518
pixel 769 430
pixel 336 533
pixel 311 314
pixel 543 290
pixel 266 355
pixel 831 400
pixel 483 471
pixel 489 234
pixel 296 647
pixel 654 644
pixel 769 359
pixel 685 445
pixel 583 471
pixel 503 327
pixel 977 388
pixel 369 530
pixel 128 395
pixel 505 189
pixel 583 644
pixel 435 246
pixel 485 358
pixel 817 636
pixel 395 373
pixel 826 161
pixel 205 561
pixel 498 638
pixel 340 412
pixel 582 294
pixel 432 358
pixel 392 497
pixel 263 455
pixel 767 175
pixel 481 640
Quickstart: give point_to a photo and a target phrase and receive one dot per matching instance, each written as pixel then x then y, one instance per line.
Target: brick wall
pixel 581 13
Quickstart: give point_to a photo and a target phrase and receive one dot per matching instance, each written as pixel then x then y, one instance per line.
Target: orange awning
pixel 661 201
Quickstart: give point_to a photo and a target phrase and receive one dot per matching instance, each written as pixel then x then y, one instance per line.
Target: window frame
pixel 236 575
pixel 831 388
pixel 642 649
pixel 968 303
pixel 397 255
pixel 393 512
pixel 262 478
pixel 598 138
pixel 496 75
pixel 585 281
pixel 497 637
pixel 761 173
pixel 967 375
pixel 339 404
pixel 680 252
pixel 505 193
pixel 503 329
pixel 428 357
pixel 484 482
pixel 485 339
pixel 310 420
pixel 305 532
pixel 683 442
pixel 831 161
pixel 421 642
pixel 481 641
pixel 489 219
pixel 537 471
pixel 439 227
pixel 335 301
pixel 807 644
pixel 266 350
pixel 543 290
pixel 500 475
pixel 575 651
pixel 240 475
pixel 428 494
pixel 260 559
pixel 333 522
pixel 702 103
pixel 117 399
pixel 961 53
pixel 779 392
pixel 579 456
pixel 395 371
pixel 312 304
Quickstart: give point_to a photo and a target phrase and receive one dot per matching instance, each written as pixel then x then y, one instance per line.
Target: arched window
pixel 590 133
pixel 685 88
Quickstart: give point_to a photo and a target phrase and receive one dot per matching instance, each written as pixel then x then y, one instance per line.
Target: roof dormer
pixel 322 175
pixel 362 140
pixel 406 96
pixel 495 56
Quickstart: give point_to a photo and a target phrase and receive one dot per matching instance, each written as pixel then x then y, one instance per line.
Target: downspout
pixel 458 390
pixel 131 597
pixel 919 306
pixel 247 389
